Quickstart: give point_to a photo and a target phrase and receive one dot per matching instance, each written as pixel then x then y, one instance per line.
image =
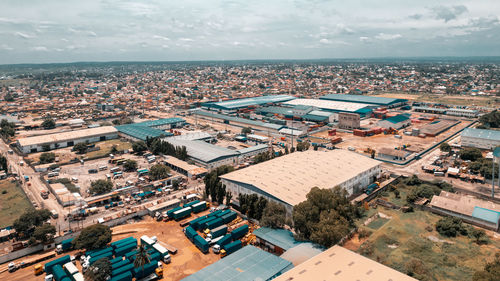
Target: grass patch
pixel 68 184
pixel 106 148
pixel 13 202
pixel 377 223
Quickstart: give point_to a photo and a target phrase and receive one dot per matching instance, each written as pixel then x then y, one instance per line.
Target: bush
pixel 450 227
pixel 93 237
pixel 100 186
pixel 47 157
pixel 363 233
pixel 471 154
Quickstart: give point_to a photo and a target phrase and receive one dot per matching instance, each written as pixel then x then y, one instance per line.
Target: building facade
pixel 349 120
pixel 480 138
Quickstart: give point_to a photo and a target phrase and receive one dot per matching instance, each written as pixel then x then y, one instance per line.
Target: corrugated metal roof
pixel 249 263
pixel 160 122
pixel 481 134
pixel 398 118
pixel 203 151
pixel 141 132
pixel 67 136
pixel 252 148
pixel 362 99
pixel 329 104
pixel 313 117
pixel 240 103
pixel 237 119
pixel 278 237
pixel 486 215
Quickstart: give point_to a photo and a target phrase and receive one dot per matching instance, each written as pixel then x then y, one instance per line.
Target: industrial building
pixel 393 154
pixel 288 179
pixel 349 121
pixel 320 116
pixel 480 138
pixel 252 151
pixel 234 105
pixel 470 209
pixel 333 106
pixel 237 121
pixel 66 139
pixel 249 263
pixel 396 122
pixel 338 263
pixel 149 129
pixel 276 241
pixel 375 101
pixel 459 112
pixel 183 167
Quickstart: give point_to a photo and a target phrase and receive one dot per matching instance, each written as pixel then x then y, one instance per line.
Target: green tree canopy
pixel 99 271
pixel 139 147
pixel 470 153
pixel 100 187
pixel 158 172
pixel 246 130
pixel 29 220
pixel 7 129
pixel 445 147
pixel 44 233
pixel 449 226
pixel 212 181
pixel 274 215
pixel 491 271
pixel 93 237
pixel 48 123
pixel 47 157
pixel 130 165
pixel 80 148
pixel 490 120
pixel 303 146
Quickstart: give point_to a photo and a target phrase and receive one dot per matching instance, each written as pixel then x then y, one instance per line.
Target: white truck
pixel 163 251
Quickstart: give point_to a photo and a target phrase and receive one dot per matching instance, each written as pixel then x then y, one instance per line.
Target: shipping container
pixel 125 249
pixel 232 247
pixel 160 249
pixel 201 243
pixel 223 212
pixel 214 224
pixel 127 276
pixel 142 272
pixel 190 233
pixel 60 261
pixel 225 240
pixel 194 223
pixel 227 218
pixel 219 231
pixel 58 272
pixel 119 264
pixel 108 255
pixel 115 260
pixel 98 252
pixel 124 240
pixel 126 268
pixel 170 212
pixel 200 206
pixel 191 203
pixel 239 232
pixel 182 213
pixel 155 257
pixel 130 255
pixel 66 244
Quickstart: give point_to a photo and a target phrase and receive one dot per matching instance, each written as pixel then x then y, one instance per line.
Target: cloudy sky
pixel 43 31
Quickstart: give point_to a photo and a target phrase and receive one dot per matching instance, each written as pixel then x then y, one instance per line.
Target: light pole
pixel 496 155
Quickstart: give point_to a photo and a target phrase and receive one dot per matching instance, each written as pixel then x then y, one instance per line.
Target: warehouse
pixel 470 209
pixel 198 135
pixel 65 139
pixel 183 167
pixel 480 138
pixel 338 263
pixel 376 101
pixel 393 154
pixel 239 122
pixel 462 112
pixel 288 179
pixel 396 122
pixel 234 105
pixel 320 116
pixel 276 241
pixel 149 129
pixel 249 263
pixel 333 106
pixel 349 121
pixel 252 151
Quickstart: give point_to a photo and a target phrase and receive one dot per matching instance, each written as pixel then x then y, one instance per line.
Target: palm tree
pixel 141 258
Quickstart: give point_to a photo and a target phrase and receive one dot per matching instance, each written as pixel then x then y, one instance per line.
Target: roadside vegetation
pixel 13 202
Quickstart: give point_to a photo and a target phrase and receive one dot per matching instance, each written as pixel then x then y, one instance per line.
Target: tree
pixel 99 271
pixel 449 226
pixel 100 187
pixel 7 129
pixel 445 147
pixel 245 131
pixel 274 215
pixel 490 272
pixel 47 157
pixel 44 233
pixel 212 180
pixel 158 172
pixel 139 147
pixel 80 148
pixel 175 184
pixel 490 120
pixel 130 165
pixel 114 149
pixel 48 123
pixel 8 97
pixel 325 217
pixel 229 197
pixel 142 257
pixel 303 146
pixel 470 153
pixel 29 220
pixel 3 163
pixel 93 237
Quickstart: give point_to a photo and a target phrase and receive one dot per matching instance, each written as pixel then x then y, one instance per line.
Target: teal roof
pixel 317 118
pixel 486 215
pixel 246 102
pixel 237 119
pixel 362 99
pixel 143 130
pixel 249 263
pixel 398 118
pixel 278 237
pixel 481 134
pixel 276 110
pixel 160 122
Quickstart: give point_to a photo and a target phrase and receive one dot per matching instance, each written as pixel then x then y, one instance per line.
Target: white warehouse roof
pixel 329 105
pixel 67 136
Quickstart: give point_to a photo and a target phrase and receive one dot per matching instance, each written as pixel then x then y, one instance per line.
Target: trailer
pixel 171 249
pixel 60 261
pixel 182 213
pixel 146 270
pixel 129 267
pixel 124 240
pixel 214 223
pixel 191 203
pixel 64 246
pixel 130 255
pixel 201 243
pixel 58 272
pixel 203 224
pixel 229 217
pixel 165 257
pixel 217 232
pixel 147 242
pixel 231 248
pixel 199 207
pixel 119 264
pixel 70 268
pixel 190 233
pixel 93 259
pixel 126 276
pixel 125 249
pixel 77 277
pixel 239 232
pixel 171 212
pixel 98 252
pixel 115 260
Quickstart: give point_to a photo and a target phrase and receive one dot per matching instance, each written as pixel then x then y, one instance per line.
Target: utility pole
pixel 493 177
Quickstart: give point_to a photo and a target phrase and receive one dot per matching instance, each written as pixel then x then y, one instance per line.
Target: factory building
pixel 396 122
pixel 288 179
pixel 149 129
pixel 183 167
pixel 230 106
pixel 333 106
pixel 349 121
pixel 459 112
pixel 239 122
pixel 340 264
pixel 248 263
pixel 480 138
pixel 371 100
pixel 66 139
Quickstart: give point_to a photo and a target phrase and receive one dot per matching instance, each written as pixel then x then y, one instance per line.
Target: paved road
pixel 36 186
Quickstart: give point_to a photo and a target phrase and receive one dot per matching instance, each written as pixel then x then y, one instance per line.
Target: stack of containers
pixel 58 272
pixel 126 276
pixel 60 261
pixel 126 268
pixel 125 247
pixel 142 272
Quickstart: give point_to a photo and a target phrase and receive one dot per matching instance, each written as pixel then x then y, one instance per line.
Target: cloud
pixel 384 36
pixel 449 13
pixel 24 35
pixel 415 16
pixel 6 47
pixel 186 40
pixel 364 39
pixel 40 49
pixel 91 33
pixel 325 41
pixel 161 37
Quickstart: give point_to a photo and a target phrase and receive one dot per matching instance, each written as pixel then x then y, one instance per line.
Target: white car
pixel 49 277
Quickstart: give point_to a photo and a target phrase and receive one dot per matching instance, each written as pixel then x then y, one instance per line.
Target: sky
pixel 33 31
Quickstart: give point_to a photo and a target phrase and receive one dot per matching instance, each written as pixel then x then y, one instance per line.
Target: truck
pixel 171 249
pixel 58 272
pixel 70 268
pixel 226 239
pixel 190 233
pixel 60 261
pixel 203 224
pixel 44 194
pixel 199 207
pixel 229 217
pixel 201 244
pixel 182 213
pixel 158 274
pixel 230 248
pixel 64 246
pixel 216 232
pixel 191 203
pixel 165 257
pixel 146 270
pixel 124 240
pixel 239 232
pixel 126 276
pixel 54 214
pixel 214 223
pixel 147 242
pixel 171 211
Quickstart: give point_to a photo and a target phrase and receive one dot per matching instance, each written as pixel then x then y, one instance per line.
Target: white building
pixel 480 138
pixel 65 139
pixel 462 112
pixel 288 179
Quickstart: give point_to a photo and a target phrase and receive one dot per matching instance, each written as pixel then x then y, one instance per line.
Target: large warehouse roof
pixel 290 177
pixel 481 134
pixel 67 136
pixel 362 99
pixel 141 132
pixel 338 263
pixel 249 263
pixel 239 120
pixel 203 151
pixel 246 102
pixel 160 122
pixel 329 105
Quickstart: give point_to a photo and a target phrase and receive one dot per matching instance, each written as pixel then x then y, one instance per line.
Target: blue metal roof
pixel 246 102
pixel 160 122
pixel 278 237
pixel 486 215
pixel 240 120
pixel 362 99
pixel 141 132
pixel 481 134
pixel 249 263
pixel 398 118
pixel 317 118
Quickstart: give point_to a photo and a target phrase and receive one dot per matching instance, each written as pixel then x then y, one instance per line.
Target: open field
pixel 448 99
pixel 187 261
pixel 106 147
pixel 408 242
pixel 12 203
